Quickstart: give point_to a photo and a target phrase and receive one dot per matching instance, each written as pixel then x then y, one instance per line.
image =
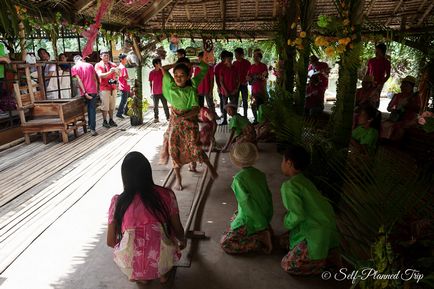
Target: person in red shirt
pixel 257 77
pixel 316 66
pixel 87 81
pixel 205 88
pixel 379 68
pixel 217 69
pixel 156 83
pixel 124 87
pixel 314 104
pixel 242 66
pixel 229 84
pixel 107 72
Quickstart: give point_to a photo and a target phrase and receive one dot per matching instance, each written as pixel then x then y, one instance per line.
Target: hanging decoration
pixel 208 47
pixel 92 33
pixel 341 31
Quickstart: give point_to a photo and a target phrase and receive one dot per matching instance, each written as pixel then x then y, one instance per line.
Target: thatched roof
pixel 241 18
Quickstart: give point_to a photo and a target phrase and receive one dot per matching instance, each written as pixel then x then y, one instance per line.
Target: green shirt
pixel 2 66
pixel 238 123
pixel 366 136
pixel 183 98
pixel 255 205
pixel 310 217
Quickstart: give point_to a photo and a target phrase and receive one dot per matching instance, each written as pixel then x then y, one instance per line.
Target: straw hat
pixel 368 78
pixel 244 154
pixel 409 79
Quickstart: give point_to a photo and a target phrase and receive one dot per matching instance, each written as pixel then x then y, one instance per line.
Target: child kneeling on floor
pixel 250 227
pixel 310 218
pixel 144 226
pixel 241 129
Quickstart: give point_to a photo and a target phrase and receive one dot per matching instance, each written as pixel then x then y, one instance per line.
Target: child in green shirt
pixel 241 128
pixel 250 227
pixel 310 218
pixel 365 135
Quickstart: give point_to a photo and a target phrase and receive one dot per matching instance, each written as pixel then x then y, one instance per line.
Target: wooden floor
pixel 40 182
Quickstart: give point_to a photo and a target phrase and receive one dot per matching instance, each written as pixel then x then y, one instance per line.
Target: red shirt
pixel 217 70
pixel 324 70
pixel 257 71
pixel 156 77
pixel 229 77
pixel 314 96
pixel 204 87
pixel 242 67
pixel 103 81
pixel 86 73
pixel 123 76
pixel 378 68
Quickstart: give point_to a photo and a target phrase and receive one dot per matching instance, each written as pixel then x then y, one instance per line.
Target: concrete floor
pixel 72 252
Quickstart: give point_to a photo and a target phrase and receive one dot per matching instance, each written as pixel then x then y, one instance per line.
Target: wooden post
pixel 139 75
pixel 22 35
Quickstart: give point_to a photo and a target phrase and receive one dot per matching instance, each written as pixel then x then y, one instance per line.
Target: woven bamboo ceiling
pixel 248 18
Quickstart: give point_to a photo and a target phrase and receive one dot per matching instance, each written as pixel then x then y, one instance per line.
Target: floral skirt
pixel 181 142
pixel 297 261
pixel 248 135
pixel 237 241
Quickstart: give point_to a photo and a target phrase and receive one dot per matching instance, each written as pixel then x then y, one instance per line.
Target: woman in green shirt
pixel 310 218
pixel 183 131
pixel 250 227
pixel 241 128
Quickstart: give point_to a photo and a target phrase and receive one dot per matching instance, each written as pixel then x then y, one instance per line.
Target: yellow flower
pixel 289 42
pixel 340 49
pixel 318 40
pixel 302 34
pixel 330 51
pixel 293 25
pixel 344 41
pixel 298 41
pixel 300 47
pixel 346 22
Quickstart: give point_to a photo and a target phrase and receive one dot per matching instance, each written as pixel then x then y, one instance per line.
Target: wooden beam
pixel 81 5
pixel 427 11
pixel 153 10
pixel 238 9
pixel 371 5
pixel 187 12
pixel 205 11
pixel 223 9
pixel 275 8
pixel 169 15
pixel 394 12
pixel 256 9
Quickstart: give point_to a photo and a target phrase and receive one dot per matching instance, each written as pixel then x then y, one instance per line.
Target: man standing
pixel 206 86
pixel 124 87
pixel 257 76
pixel 379 68
pixel 242 66
pixel 217 69
pixel 107 72
pixel 87 81
pixel 156 84
pixel 229 83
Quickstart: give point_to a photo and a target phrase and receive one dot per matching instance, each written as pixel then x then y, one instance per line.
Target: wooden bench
pixel 63 115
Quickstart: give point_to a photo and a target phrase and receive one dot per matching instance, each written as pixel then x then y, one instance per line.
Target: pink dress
pixel 145 252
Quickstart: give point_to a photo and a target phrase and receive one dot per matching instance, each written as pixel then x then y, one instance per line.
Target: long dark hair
pixel 137 179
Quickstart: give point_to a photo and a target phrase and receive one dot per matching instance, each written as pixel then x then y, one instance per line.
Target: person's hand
pixel 88 96
pixel 7 60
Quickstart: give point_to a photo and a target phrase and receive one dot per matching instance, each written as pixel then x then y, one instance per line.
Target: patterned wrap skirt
pixel 297 261
pixel 181 141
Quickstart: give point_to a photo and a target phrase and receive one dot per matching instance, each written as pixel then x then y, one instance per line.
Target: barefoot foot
pixel 265 238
